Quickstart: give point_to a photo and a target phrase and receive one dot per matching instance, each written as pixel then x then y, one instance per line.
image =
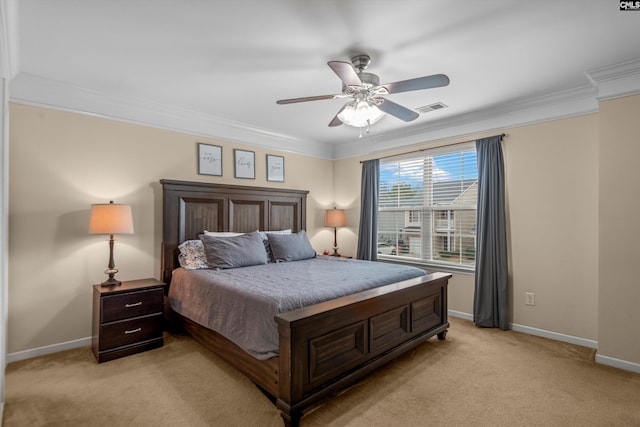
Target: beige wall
pixel 60 164
pixel 572 224
pixel 552 210
pixel 619 297
pixel 552 193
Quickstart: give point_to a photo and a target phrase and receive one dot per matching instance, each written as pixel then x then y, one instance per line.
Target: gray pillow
pixel 265 240
pixel 291 247
pixel 235 251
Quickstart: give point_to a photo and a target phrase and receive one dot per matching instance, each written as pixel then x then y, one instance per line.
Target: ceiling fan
pixel 368 105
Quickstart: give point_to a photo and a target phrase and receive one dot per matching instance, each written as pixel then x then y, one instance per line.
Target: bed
pixel 321 348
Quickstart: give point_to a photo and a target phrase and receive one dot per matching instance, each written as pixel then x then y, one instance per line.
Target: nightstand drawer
pixel 127 319
pixel 130 331
pixel 131 304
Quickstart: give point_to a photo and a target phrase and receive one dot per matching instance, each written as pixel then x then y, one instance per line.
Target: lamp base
pixel 111 272
pixel 111 281
pixel 335 242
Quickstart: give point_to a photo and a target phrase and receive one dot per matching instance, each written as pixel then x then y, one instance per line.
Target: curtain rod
pixel 502 135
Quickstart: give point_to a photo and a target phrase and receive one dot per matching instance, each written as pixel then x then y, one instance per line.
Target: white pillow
pixel 222 233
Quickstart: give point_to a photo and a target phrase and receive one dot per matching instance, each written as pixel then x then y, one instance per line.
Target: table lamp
pixel 335 218
pixel 111 219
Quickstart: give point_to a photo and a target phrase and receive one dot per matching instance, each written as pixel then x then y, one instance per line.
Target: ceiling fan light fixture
pixel 369 104
pixel 360 113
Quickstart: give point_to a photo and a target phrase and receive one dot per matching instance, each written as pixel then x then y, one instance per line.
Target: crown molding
pixel 605 83
pixel 34 90
pixel 559 105
pixel 616 81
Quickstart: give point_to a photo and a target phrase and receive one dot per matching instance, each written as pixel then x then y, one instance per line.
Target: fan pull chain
pixel 368 128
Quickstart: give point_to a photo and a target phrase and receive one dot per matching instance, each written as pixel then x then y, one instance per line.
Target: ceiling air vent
pixel 431 107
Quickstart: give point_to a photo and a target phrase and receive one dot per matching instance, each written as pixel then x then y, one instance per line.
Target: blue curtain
pixel 490 305
pixel 367 233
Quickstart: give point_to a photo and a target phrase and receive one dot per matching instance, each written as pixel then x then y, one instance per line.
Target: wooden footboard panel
pixel 330 345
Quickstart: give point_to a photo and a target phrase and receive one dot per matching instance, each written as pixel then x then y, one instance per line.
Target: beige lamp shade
pixel 111 218
pixel 335 218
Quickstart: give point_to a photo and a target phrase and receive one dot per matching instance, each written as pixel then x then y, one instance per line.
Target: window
pixel 427 206
pixel 414 217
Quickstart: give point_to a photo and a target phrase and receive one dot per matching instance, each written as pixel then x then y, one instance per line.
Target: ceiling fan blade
pixel 397 110
pixel 427 82
pixel 308 98
pixel 345 71
pixel 336 121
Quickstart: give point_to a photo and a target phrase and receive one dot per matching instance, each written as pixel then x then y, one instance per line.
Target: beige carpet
pixel 476 377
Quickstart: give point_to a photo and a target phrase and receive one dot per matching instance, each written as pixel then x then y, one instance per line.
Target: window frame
pixel 450 215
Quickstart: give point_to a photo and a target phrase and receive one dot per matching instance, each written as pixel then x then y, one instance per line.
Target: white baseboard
pixel 618 363
pixel 601 359
pixel 41 351
pixel 537 332
pixel 460 314
pixel 604 360
pixel 554 335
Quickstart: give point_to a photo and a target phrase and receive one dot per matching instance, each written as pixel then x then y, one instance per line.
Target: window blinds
pixel 427 206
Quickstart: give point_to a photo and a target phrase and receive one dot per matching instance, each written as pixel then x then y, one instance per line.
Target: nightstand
pixel 127 319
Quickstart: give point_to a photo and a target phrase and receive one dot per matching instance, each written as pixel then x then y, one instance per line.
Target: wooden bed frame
pixel 325 347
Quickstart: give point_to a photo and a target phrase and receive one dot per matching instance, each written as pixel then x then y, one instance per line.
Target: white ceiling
pixel 217 67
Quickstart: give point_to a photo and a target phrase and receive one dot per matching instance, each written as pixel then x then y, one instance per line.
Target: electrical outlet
pixel 529 298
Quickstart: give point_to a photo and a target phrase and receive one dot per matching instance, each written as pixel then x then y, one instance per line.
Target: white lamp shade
pixel 360 113
pixel 111 219
pixel 335 218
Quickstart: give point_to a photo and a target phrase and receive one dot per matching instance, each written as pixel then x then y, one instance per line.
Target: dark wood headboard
pixel 189 208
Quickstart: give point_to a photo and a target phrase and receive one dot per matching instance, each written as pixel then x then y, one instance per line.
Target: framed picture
pixel 244 164
pixel 209 159
pixel 275 168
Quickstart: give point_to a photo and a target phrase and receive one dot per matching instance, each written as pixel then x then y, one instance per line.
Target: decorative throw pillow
pixel 234 251
pixel 265 240
pixel 192 256
pixel 291 247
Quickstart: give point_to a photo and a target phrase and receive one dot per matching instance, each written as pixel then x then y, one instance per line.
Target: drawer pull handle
pixel 133 305
pixel 133 331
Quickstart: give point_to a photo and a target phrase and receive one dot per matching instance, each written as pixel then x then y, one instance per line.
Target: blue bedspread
pixel 241 303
